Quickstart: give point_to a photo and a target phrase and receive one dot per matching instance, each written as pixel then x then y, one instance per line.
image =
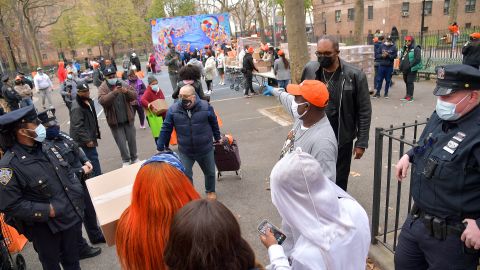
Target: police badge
pixel 441 73
pixel 5 175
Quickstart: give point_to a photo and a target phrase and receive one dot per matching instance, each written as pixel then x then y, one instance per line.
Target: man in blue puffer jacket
pixel 196 124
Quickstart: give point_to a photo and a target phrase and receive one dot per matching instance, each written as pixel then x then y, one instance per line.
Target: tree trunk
pixel 297 37
pixel 453 11
pixel 114 54
pixel 258 13
pixel 6 48
pixel 33 38
pixel 26 43
pixel 359 19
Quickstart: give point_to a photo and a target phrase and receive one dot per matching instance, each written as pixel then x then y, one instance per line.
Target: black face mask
pixel 325 62
pixel 186 103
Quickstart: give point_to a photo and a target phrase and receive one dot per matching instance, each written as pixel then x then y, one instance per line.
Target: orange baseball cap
pixel 280 52
pixel 313 91
pixel 250 50
pixel 475 35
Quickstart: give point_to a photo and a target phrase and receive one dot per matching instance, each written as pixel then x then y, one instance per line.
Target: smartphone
pixel 262 228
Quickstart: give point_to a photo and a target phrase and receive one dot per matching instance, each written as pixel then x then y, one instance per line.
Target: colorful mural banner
pixel 189 33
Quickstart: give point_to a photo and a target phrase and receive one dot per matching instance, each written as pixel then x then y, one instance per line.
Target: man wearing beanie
pixel 248 68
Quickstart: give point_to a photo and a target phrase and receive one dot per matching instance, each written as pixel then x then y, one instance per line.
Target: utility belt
pixel 439 228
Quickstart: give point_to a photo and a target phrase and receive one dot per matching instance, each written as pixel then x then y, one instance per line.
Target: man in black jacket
pixel 84 125
pixel 471 51
pixel 10 95
pixel 349 109
pixel 248 68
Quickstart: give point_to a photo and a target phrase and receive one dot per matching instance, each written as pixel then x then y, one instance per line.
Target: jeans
pixel 248 83
pixel 141 113
pixel 375 69
pixel 384 73
pixel 283 83
pixel 45 93
pixel 344 160
pixel 57 248
pixel 173 80
pixel 409 78
pixel 125 134
pixel 416 249
pixel 92 155
pixel 26 102
pixel 206 163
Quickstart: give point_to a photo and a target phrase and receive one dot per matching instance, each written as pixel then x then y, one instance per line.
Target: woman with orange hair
pixel 161 188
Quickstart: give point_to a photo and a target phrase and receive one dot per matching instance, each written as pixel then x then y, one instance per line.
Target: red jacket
pixel 149 96
pixel 62 72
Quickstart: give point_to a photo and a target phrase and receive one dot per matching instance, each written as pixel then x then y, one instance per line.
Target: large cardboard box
pixel 160 105
pixel 111 195
pixel 264 69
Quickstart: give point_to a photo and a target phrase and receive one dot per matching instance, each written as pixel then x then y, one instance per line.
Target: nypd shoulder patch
pixel 5 175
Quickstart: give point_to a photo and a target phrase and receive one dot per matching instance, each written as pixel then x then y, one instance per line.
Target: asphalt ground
pixel 260 139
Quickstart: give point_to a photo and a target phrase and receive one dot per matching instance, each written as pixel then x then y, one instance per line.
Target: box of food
pixel 111 195
pixel 264 69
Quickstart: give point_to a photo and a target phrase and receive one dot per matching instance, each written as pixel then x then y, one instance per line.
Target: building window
pixel 470 5
pixel 338 15
pixel 468 25
pixel 44 56
pixel 89 51
pixel 404 32
pixel 446 7
pixel 370 12
pixel 425 29
pixel 405 7
pixel 428 7
pixel 351 14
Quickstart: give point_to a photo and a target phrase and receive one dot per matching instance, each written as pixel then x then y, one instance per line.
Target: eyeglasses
pixel 326 54
pixel 184 96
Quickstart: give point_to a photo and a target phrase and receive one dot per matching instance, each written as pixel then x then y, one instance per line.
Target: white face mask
pixel 295 105
pixel 447 111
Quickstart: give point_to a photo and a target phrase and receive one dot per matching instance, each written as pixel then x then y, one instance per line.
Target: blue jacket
pixel 195 128
pixel 376 48
pixel 388 60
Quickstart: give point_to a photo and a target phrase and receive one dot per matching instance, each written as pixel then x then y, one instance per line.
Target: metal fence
pixel 392 200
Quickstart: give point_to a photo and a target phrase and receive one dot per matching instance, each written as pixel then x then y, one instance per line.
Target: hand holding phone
pixel 266 229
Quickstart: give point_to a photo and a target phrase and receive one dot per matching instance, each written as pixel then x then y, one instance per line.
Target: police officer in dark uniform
pixel 10 95
pixel 442 230
pixel 39 194
pixel 82 167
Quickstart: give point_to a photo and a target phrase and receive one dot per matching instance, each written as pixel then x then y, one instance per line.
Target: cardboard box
pixel 111 195
pixel 160 104
pixel 256 55
pixel 264 69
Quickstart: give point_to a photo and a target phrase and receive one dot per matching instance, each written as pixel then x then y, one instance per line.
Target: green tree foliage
pixel 156 10
pixel 64 33
pixel 180 7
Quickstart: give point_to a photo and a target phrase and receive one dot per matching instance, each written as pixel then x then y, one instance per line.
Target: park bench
pixel 432 62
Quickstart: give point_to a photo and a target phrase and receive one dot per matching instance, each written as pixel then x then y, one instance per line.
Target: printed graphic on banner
pixel 189 33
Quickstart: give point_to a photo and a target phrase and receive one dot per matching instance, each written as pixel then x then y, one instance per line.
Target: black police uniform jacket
pixel 451 188
pixel 32 178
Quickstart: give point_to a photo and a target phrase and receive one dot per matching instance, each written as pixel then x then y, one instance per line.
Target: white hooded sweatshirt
pixel 325 227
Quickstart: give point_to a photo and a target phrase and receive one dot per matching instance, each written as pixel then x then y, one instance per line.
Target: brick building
pixel 337 16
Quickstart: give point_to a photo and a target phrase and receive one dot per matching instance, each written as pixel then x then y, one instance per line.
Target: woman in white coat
pixel 210 68
pixel 325 227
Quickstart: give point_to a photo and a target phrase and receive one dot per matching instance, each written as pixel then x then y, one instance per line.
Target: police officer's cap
pixel 82 87
pixel 109 71
pixel 48 117
pixel 23 115
pixel 451 78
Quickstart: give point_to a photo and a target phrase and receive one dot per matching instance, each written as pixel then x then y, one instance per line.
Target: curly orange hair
pixel 159 191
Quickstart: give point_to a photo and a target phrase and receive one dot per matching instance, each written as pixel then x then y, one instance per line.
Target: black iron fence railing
pixel 391 199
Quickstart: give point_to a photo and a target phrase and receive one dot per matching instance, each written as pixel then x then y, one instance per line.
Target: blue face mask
pixel 155 87
pixel 112 81
pixel 70 76
pixel 53 132
pixel 41 133
pixel 447 111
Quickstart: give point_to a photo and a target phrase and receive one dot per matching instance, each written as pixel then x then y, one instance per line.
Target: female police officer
pixel 38 193
pixel 442 230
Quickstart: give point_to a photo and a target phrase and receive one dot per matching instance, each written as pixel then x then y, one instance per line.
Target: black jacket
pixel 83 122
pixel 471 54
pixel 388 60
pixel 355 110
pixel 248 63
pixel 11 96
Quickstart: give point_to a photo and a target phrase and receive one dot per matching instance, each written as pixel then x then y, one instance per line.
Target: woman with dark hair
pixel 189 74
pixel 281 68
pixel 161 188
pixel 205 235
pixel 394 35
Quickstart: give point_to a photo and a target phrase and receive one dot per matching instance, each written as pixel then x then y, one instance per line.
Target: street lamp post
pixel 324 21
pixel 423 23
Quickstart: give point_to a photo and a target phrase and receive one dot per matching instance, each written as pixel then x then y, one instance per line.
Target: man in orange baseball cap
pixel 312 132
pixel 471 51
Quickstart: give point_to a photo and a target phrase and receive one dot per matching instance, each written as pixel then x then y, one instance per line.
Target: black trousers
pixel 416 249
pixel 209 84
pixel 248 83
pixel 344 160
pixel 57 248
pixel 409 79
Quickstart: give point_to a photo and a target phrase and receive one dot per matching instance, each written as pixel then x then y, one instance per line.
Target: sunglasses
pixel 326 54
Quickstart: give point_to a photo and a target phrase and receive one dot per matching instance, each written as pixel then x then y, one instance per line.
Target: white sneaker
pixel 125 164
pixel 135 161
pixel 208 93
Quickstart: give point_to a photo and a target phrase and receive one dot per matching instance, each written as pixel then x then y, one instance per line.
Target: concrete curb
pixel 382 257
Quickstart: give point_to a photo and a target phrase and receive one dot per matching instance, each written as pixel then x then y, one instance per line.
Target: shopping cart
pixel 10 243
pixel 235 78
